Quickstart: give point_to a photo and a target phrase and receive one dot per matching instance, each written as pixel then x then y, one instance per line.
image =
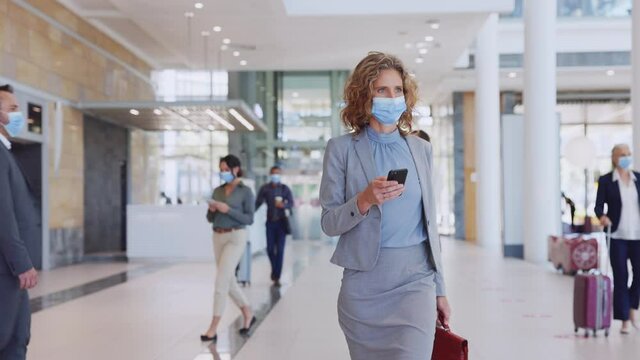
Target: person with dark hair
pixel 423 135
pixel 279 199
pixel 18 233
pixel 230 212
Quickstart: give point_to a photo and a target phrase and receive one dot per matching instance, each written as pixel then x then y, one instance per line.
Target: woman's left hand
pixel 444 311
pixel 222 207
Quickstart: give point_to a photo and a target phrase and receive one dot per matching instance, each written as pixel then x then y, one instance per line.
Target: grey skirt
pixel 389 313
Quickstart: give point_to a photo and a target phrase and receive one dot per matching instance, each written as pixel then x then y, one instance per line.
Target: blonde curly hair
pixel 358 92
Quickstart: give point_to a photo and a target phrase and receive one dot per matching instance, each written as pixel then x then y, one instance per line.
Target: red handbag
pixel 449 346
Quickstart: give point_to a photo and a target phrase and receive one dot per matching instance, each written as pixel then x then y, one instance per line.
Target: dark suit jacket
pixel 18 218
pixel 609 193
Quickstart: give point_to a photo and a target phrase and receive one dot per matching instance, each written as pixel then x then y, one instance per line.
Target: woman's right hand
pixel 605 221
pixel 212 206
pixel 378 192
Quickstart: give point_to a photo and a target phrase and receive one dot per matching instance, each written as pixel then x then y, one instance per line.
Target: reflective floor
pixel 508 309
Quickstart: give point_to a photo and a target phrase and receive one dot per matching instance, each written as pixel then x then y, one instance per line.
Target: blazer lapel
pixel 365 154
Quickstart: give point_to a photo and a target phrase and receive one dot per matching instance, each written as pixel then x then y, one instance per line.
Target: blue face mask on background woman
pixel 625 162
pixel 16 123
pixel 388 110
pixel 227 176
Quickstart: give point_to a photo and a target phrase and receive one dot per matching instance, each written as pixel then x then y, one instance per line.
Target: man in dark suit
pixel 18 232
pixel 620 190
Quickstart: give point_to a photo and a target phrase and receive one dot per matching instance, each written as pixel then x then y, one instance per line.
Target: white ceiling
pixel 269 38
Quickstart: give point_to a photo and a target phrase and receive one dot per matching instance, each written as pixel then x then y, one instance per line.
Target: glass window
pixel 583 8
pixel 305 107
pixel 191 85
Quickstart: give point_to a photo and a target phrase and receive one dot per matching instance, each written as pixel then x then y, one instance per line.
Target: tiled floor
pixel 508 309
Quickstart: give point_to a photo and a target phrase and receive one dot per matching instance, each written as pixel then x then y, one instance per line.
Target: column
pixel 487 133
pixel 542 136
pixel 635 85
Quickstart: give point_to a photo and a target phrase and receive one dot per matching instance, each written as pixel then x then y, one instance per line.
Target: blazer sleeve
pixel 12 247
pixel 601 198
pixel 244 215
pixel 439 276
pixel 211 215
pixel 339 214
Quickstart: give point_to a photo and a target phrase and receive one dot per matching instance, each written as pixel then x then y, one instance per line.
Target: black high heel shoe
pixel 245 331
pixel 204 338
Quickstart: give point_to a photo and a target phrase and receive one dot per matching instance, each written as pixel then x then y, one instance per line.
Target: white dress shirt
pixel 629 226
pixel 5 141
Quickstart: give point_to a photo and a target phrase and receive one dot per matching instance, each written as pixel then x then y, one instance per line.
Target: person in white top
pixel 620 190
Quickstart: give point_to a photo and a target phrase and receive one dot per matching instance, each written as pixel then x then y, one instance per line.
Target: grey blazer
pixel 348 169
pixel 19 220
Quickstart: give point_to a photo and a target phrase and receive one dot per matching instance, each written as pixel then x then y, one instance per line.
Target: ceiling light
pixel 423 51
pixel 611 72
pixel 199 5
pixel 220 120
pixel 157 112
pixel 224 47
pixel 226 41
pixel 243 62
pixel 134 112
pixel 205 33
pixel 421 45
pixel 184 112
pixel 241 119
pixel 236 53
pixel 419 60
pixel 512 75
pixel 217 28
pixel 412 74
pixel 295 94
pixel 189 14
pixel 429 38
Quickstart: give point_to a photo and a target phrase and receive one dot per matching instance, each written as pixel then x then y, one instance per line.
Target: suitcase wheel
pixel 595 333
pixel 575 330
pixel 606 332
pixel 586 333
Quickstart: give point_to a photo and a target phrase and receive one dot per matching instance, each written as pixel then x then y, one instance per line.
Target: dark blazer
pixel 18 218
pixel 609 193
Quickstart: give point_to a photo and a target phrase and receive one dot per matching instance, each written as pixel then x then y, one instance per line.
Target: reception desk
pixel 180 232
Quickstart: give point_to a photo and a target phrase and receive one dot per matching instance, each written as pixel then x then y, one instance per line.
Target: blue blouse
pixel 402 218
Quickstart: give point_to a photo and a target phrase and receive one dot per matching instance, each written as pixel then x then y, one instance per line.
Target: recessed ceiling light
pixel 611 72
pixel 199 5
pixel 423 51
pixel 217 28
pixel 429 38
pixel 243 62
pixel 224 47
pixel 512 75
pixel 157 112
pixel 134 112
pixel 412 74
pixel 408 45
pixel 205 33
pixel 419 60
pixel 435 26
pixel 226 41
pixel 189 14
pixel 236 53
pixel 295 94
pixel 220 119
pixel 241 119
pixel 184 112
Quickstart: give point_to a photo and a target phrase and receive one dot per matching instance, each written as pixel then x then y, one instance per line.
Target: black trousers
pixel 15 319
pixel 625 297
pixel 276 234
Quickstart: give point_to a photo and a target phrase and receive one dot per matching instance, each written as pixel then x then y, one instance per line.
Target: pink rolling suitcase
pixel 593 300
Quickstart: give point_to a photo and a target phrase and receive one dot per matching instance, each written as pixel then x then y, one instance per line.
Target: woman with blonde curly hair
pixel 393 292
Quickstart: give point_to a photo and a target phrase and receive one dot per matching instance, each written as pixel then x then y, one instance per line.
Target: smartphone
pixel 399 175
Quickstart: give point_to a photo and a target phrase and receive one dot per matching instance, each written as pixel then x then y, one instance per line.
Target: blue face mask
pixel 625 162
pixel 226 176
pixel 388 110
pixel 275 178
pixel 16 123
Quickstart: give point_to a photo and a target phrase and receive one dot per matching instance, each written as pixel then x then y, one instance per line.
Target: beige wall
pixel 144 167
pixel 35 53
